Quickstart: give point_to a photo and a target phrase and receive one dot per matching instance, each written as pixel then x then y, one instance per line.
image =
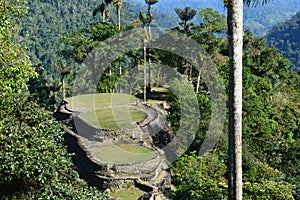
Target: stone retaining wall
pixel 153 127
pixel 146 174
pixel 144 168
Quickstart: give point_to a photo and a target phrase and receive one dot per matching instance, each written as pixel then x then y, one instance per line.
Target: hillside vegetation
pixel 285 37
pixel 271 109
pixel 46 21
pixel 259 20
pixel 34 162
pixel 36 165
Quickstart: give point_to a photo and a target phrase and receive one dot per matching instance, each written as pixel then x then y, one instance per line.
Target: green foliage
pixel 48 20
pixel 80 43
pixel 15 66
pixel 44 91
pixel 34 163
pixel 199 177
pixel 37 165
pixel 264 182
pixel 211 30
pixel 187 14
pixel 271 112
pixel 270 119
pixel 258 19
pixel 285 37
pixel 183 104
pixel 266 190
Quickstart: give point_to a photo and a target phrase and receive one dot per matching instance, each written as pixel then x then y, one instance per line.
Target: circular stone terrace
pixel 117 134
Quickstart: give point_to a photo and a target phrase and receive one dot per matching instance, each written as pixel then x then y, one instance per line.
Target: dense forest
pixel 259 19
pixel 34 162
pixel 45 42
pixel 47 20
pixel 285 37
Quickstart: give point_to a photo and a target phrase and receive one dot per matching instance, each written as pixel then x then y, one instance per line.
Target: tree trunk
pixel 149 49
pixel 149 70
pixel 145 67
pixel 198 81
pixel 103 16
pixel 63 88
pixel 235 38
pixel 191 72
pixel 119 17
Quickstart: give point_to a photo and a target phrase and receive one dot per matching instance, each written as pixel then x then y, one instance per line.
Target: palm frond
pixel 143 17
pixel 100 8
pixel 136 22
pixel 108 1
pixel 151 2
pixel 186 14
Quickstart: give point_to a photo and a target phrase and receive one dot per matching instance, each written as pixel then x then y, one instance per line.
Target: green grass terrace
pixel 123 153
pixel 107 111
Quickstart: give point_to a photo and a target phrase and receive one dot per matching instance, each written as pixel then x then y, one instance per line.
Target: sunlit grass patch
pixel 123 153
pixel 159 89
pixel 96 101
pixel 113 118
pixel 127 194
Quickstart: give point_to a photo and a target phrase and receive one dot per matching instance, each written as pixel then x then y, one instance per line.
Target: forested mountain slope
pixel 286 37
pixel 47 20
pixel 259 20
pixel 40 169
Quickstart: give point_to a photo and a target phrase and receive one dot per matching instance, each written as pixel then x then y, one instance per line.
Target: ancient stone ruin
pixel 151 175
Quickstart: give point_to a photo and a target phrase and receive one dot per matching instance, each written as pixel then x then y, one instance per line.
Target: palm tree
pixel 150 3
pixel 144 20
pixel 150 19
pixel 186 15
pixel 63 69
pixel 100 8
pixel 235 39
pixel 103 9
pixel 107 10
pixel 118 4
pixel 107 13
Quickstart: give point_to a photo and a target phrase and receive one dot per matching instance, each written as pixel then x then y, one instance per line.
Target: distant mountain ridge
pixel 259 20
pixel 286 37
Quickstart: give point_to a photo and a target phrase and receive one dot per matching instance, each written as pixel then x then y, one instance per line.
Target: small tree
pixel 118 4
pixel 185 15
pixel 100 8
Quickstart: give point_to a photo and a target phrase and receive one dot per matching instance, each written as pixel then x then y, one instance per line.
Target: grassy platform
pixel 113 118
pixel 90 102
pixel 123 153
pixel 127 194
pixel 95 111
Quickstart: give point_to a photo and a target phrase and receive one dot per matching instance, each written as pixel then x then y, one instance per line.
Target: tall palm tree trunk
pixel 198 81
pixel 235 37
pixel 63 88
pixel 103 17
pixel 119 17
pixel 149 70
pixel 145 68
pixel 149 49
